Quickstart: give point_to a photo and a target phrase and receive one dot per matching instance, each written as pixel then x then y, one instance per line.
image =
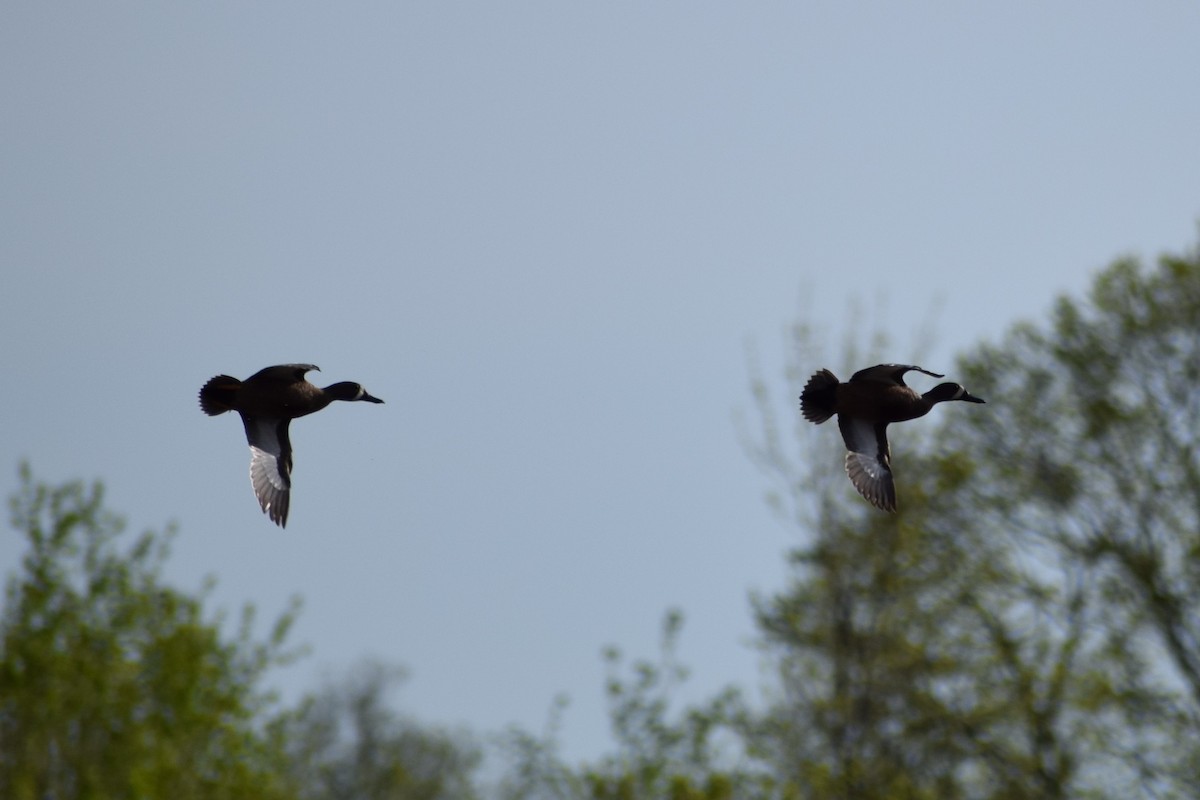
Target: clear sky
pixel 544 234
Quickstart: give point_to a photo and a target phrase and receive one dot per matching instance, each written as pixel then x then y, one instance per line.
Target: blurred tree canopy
pixel 1027 626
pixel 346 743
pixel 661 751
pixel 113 684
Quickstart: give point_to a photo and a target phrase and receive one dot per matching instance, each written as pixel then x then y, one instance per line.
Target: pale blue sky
pixel 543 233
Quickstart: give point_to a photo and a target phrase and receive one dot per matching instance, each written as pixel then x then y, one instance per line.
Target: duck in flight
pixel 268 400
pixel 865 405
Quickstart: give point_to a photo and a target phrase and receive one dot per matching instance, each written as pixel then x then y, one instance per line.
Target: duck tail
pixel 819 397
pixel 219 395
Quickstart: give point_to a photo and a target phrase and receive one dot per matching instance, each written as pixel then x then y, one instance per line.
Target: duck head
pixel 944 392
pixel 349 390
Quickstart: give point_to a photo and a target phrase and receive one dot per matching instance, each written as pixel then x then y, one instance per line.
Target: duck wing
pixel 869 462
pixel 889 373
pixel 283 373
pixel 270 465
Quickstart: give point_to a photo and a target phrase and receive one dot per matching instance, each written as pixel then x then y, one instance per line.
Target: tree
pixel 660 751
pixel 1092 463
pixel 345 743
pixel 113 684
pixel 876 641
pixel 1027 625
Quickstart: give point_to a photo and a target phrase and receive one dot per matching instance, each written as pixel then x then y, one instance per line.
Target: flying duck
pixel 268 400
pixel 872 399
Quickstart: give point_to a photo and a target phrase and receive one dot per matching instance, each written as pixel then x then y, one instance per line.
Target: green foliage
pixel 347 744
pixel 693 753
pixel 113 684
pixel 1091 465
pixel 1027 625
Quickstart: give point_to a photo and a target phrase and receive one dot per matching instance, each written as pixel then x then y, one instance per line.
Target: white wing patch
pixel 271 484
pixel 873 480
pixel 867 462
pixel 264 467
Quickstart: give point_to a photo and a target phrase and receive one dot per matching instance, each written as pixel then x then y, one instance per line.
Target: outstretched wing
pixel 270 465
pixel 869 462
pixel 889 373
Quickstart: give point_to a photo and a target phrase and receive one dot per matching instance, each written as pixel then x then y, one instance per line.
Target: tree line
pixel 1027 626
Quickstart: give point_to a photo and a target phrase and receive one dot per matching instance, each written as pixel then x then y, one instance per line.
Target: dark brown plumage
pixel 268 401
pixel 865 405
